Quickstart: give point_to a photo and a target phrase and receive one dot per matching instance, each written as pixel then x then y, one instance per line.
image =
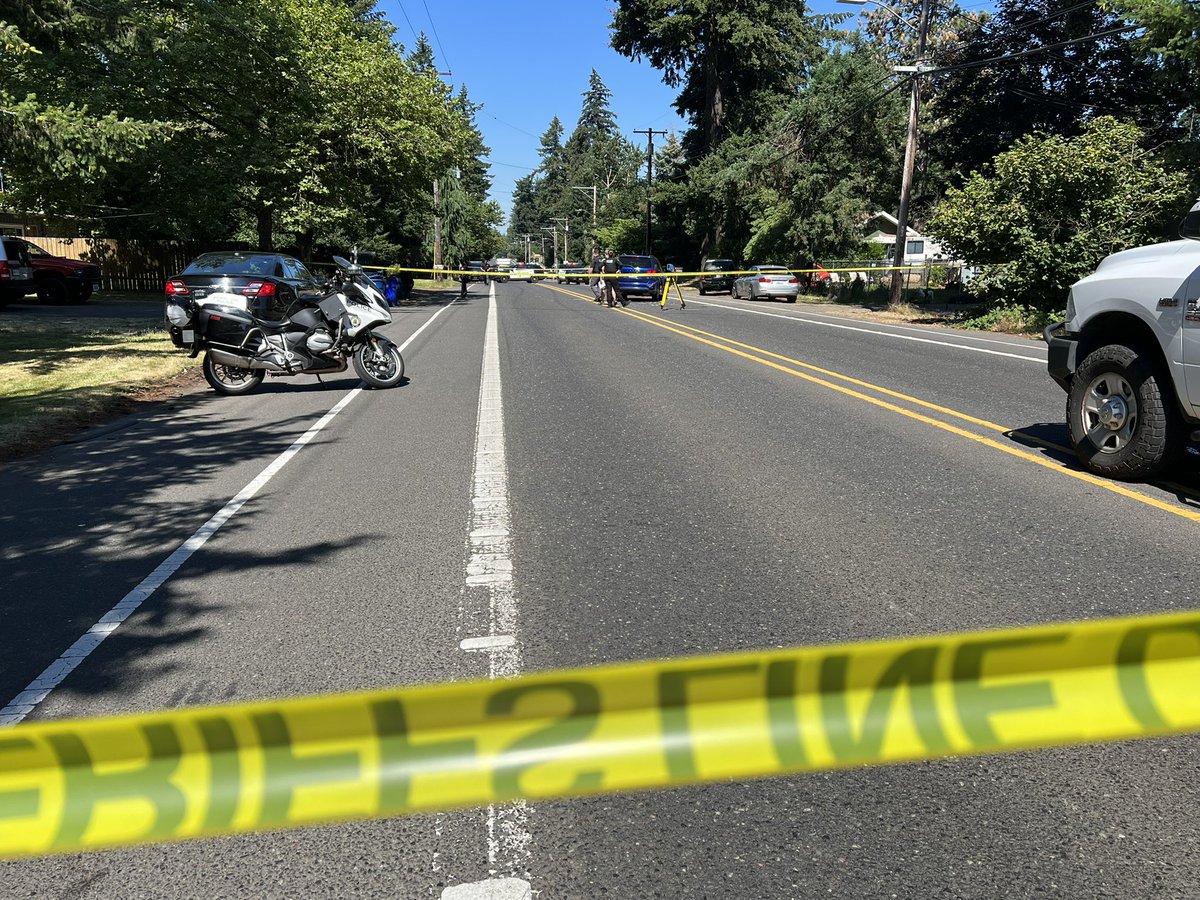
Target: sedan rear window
pixel 638 262
pixel 230 264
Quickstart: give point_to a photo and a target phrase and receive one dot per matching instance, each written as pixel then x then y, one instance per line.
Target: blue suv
pixel 630 284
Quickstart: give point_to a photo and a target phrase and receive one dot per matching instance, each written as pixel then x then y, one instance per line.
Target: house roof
pixel 889 237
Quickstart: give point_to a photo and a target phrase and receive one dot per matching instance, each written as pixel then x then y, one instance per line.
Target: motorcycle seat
pixel 272 326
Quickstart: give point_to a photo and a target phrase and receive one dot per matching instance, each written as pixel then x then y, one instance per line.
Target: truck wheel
pixel 80 293
pixel 52 290
pixel 1121 414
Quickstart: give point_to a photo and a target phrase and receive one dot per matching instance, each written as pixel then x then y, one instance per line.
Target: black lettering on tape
pixel 400 759
pixel 1131 669
pixel 225 772
pixel 787 737
pixel 977 703
pixel 25 803
pixel 284 772
pixel 672 692
pixel 915 668
pixel 84 788
pixel 546 743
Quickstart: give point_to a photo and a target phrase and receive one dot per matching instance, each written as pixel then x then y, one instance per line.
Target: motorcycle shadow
pixel 308 383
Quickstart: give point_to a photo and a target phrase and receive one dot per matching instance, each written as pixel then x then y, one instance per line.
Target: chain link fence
pixel 857 279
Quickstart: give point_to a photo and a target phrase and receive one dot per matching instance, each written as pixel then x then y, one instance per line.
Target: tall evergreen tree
pixel 986 108
pixel 720 53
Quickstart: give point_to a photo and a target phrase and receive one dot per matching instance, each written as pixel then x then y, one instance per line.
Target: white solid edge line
pixel 54 674
pixel 899 337
pixel 912 328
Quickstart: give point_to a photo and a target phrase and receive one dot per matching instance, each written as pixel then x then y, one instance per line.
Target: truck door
pixel 1191 336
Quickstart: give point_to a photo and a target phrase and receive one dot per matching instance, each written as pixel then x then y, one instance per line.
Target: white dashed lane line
pixel 490 569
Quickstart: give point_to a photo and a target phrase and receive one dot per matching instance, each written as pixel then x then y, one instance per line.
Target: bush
pixel 1054 207
pixel 1014 319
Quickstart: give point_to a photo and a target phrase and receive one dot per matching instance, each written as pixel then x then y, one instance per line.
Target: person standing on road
pixel 597 283
pixel 611 266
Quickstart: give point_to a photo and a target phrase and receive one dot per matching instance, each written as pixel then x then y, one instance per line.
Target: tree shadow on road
pixel 81 526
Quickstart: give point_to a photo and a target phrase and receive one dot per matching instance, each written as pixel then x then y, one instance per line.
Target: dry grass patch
pixel 59 376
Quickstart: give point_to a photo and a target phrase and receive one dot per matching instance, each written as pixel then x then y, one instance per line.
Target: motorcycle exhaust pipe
pixel 331 370
pixel 225 358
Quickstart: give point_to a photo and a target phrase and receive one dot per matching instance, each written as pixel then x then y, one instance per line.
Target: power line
pixel 1015 29
pixel 975 64
pixel 513 127
pixel 493 162
pixel 416 36
pixel 441 50
pixel 808 139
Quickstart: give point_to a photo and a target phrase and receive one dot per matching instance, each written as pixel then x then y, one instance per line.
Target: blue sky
pixel 527 61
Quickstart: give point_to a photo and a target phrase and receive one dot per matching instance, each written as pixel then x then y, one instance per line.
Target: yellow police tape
pixel 503 274
pixel 78 785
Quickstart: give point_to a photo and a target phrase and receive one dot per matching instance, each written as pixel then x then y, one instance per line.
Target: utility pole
pixel 910 156
pixel 650 133
pixel 566 220
pixel 437 225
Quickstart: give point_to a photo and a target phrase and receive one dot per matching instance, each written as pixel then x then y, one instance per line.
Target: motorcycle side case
pixel 224 325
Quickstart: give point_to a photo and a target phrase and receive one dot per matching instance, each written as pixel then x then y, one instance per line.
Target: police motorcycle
pixel 240 348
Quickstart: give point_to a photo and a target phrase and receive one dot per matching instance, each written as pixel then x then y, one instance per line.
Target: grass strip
pixel 60 375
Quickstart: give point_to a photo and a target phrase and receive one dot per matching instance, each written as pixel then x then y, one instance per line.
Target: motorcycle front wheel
pixel 230 380
pixel 379 363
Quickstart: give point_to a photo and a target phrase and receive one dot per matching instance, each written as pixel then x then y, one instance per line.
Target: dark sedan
pixel 719 281
pixel 266 285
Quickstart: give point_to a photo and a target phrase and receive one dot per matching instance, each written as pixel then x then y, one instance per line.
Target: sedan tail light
pixel 177 289
pixel 793 280
pixel 764 280
pixel 259 289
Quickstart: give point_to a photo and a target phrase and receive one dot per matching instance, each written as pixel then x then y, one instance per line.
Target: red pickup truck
pixel 56 279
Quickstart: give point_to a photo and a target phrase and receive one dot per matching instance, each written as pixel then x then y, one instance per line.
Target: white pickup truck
pixel 1128 357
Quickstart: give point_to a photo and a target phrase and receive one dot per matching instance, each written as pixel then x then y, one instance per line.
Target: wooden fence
pixel 127 265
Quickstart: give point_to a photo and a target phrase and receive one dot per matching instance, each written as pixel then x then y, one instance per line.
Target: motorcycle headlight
pixel 178 315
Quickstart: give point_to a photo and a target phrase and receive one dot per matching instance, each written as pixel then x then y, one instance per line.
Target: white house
pixel 920 249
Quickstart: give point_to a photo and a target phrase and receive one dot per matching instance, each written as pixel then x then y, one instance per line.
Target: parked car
pixel 633 282
pixel 718 283
pixel 264 284
pixel 476 265
pixel 524 272
pixel 501 266
pixel 16 273
pixel 767 281
pixel 573 275
pixel 56 279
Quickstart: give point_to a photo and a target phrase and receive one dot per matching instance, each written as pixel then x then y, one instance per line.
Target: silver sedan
pixel 767 281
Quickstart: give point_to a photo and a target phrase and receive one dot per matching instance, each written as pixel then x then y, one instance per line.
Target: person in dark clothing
pixel 597 283
pixel 612 266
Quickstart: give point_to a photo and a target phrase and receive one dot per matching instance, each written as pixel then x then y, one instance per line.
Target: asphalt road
pixel 750 475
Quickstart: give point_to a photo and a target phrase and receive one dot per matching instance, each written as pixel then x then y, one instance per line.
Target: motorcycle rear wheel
pixel 230 380
pixel 379 364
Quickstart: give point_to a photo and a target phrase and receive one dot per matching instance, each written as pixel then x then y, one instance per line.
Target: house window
pixel 916 248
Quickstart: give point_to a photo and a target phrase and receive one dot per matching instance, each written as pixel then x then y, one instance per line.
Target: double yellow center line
pixel 826 378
